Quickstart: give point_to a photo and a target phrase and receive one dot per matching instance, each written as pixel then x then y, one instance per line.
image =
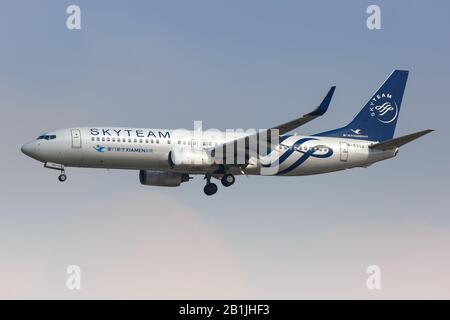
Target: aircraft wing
pixel 282 128
pixel 319 111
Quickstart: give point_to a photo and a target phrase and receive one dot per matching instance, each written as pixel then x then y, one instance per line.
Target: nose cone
pixel 29 149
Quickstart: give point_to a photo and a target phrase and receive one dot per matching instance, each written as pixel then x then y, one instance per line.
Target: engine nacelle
pixel 162 178
pixel 189 160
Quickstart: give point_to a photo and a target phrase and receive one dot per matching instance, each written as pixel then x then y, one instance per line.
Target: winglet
pixel 323 107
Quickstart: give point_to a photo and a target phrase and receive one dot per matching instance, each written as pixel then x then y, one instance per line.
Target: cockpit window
pixel 47 137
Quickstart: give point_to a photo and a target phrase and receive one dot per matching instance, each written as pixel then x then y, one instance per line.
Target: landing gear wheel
pixel 62 177
pixel 210 189
pixel 228 180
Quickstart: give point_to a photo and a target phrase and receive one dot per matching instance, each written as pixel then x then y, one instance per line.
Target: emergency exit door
pixel 76 138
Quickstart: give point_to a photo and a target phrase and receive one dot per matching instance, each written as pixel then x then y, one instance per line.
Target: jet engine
pixel 162 178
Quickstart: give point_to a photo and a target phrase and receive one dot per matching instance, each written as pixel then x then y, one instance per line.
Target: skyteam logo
pixel 384 108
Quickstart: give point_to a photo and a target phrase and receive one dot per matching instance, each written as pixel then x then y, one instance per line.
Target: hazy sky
pixel 231 64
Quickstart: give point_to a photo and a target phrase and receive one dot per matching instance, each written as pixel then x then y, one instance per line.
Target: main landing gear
pixel 211 188
pixel 227 180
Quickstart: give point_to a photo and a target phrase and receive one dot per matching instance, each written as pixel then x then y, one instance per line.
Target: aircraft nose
pixel 29 149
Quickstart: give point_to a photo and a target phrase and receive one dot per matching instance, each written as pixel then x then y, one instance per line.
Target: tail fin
pixel 377 119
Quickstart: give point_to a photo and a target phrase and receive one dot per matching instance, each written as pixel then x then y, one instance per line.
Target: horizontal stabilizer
pixel 398 142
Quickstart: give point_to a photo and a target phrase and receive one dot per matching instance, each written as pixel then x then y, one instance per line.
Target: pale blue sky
pixel 231 64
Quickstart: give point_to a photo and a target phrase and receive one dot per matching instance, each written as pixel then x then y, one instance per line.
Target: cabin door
pixel 76 138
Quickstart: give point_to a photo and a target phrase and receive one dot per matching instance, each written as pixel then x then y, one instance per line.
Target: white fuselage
pixel 148 149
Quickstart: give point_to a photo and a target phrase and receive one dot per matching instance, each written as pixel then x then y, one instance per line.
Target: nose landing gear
pixel 62 177
pixel 56 166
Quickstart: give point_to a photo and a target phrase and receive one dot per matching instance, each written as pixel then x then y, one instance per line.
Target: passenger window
pixel 151 141
pixel 103 139
pixel 92 139
pixel 113 139
pixel 146 140
pixel 168 141
pixel 135 140
pixel 107 139
pixel 157 141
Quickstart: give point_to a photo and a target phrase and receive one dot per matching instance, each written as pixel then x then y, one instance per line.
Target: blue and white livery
pixel 170 157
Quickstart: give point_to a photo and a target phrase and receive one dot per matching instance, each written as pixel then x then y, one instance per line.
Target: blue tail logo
pixel 377 119
pixel 384 108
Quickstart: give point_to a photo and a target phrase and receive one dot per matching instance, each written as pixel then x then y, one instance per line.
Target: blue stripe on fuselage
pixel 288 152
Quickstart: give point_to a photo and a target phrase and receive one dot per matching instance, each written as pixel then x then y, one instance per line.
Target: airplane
pixel 169 157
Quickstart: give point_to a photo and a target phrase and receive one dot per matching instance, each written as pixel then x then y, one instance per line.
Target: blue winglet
pixel 323 107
